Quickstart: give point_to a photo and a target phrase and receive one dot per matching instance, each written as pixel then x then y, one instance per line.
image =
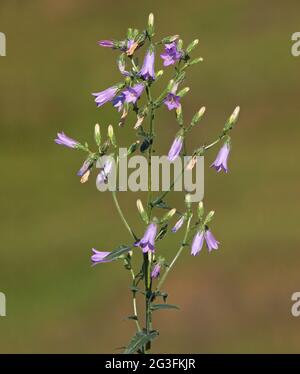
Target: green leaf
pixel 117 252
pixel 163 306
pixel 162 232
pixel 133 318
pixel 139 340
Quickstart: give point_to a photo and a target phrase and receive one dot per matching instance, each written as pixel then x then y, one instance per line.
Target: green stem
pixel 134 302
pixel 163 278
pixel 135 238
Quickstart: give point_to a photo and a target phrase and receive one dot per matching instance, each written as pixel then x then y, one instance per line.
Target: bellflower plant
pixel 136 94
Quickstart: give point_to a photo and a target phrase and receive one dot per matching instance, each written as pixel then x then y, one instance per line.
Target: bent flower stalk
pixel 134 94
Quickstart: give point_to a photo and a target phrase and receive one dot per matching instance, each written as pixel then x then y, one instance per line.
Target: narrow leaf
pixel 139 340
pixel 163 306
pixel 118 252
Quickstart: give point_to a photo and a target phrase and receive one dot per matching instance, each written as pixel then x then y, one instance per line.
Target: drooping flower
pixel 172 101
pixel 65 140
pixel 147 71
pixel 175 148
pixel 86 166
pixel 106 43
pixel 197 243
pixel 211 241
pixel 220 162
pixel 156 271
pixel 129 95
pixel 102 177
pixel 99 257
pixel 147 243
pixel 178 224
pixel 171 54
pixel 103 97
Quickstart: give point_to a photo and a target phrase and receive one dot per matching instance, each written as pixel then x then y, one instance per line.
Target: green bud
pixel 196 61
pixel 159 74
pixel 188 201
pixel 179 115
pixel 170 85
pixel 232 119
pixel 97 134
pixel 133 148
pixel 170 39
pixel 197 117
pixel 200 210
pixel 192 45
pixel 111 135
pixel 209 217
pixel 168 215
pixel 183 92
pixel 150 29
pixel 180 44
pixel 142 211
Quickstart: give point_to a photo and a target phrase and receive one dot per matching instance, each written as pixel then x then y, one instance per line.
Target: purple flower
pixel 85 167
pixel 63 139
pixel 197 243
pixel 172 101
pixel 147 71
pixel 102 177
pixel 99 257
pixel 171 54
pixel 211 241
pixel 156 271
pixel 129 95
pixel 106 43
pixel 178 224
pixel 220 162
pixel 175 148
pixel 105 96
pixel 148 240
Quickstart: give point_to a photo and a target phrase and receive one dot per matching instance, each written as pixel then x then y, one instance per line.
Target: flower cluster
pixel 137 80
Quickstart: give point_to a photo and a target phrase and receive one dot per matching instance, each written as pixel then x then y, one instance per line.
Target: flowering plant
pixel 148 280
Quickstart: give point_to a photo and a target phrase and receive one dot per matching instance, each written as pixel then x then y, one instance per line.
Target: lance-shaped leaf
pixel 123 249
pixel 139 340
pixel 163 306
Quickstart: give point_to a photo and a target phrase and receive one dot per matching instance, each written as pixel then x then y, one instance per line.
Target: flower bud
pixel 133 148
pixel 97 134
pixel 159 74
pixel 168 215
pixel 196 61
pixel 197 117
pixel 170 39
pixel 200 210
pixel 151 21
pixel 233 118
pixel 192 45
pixel 111 135
pixel 142 211
pixel 183 92
pixel 209 217
pixel 188 201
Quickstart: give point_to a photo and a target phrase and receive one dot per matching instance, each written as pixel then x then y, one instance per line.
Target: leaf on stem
pixel 163 306
pixel 116 253
pixel 139 340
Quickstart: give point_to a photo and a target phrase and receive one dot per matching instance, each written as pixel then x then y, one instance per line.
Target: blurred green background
pixel 237 299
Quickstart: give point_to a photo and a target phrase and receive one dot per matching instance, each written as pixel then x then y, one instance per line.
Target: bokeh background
pixel 237 299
